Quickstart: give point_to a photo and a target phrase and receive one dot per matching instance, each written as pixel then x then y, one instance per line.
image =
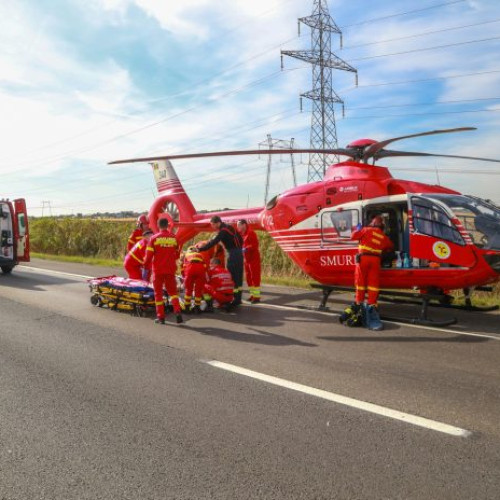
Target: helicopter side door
pixel 434 236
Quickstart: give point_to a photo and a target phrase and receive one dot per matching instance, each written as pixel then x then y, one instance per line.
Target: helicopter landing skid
pixel 424 300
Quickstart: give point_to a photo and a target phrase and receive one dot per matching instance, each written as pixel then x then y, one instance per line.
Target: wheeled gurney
pixel 122 294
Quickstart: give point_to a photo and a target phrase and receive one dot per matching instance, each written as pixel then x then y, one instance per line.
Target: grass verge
pixel 94 261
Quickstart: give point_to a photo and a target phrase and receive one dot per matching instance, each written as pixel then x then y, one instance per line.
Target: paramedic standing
pixel 161 257
pixel 233 243
pixel 372 243
pixel 251 255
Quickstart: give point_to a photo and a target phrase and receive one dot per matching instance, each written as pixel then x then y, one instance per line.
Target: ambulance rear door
pixel 21 232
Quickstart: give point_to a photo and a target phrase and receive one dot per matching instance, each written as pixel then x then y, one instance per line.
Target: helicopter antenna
pixel 323 128
pixel 437 175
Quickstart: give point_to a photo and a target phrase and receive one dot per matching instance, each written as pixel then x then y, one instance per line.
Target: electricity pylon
pixel 323 128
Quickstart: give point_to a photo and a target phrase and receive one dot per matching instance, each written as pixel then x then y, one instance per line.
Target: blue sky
pixel 84 82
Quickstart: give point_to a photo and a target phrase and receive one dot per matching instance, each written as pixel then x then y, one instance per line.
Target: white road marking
pixel 410 325
pixel 344 400
pixel 286 308
pixel 49 271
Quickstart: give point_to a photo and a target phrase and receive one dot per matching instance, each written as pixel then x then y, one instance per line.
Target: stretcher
pixel 123 294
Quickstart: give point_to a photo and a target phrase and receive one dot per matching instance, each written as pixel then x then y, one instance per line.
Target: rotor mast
pixel 323 128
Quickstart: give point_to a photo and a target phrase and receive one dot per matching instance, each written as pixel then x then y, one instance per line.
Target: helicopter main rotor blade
pixel 372 150
pixel 342 152
pixel 388 154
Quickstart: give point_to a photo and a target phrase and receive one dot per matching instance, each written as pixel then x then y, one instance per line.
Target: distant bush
pixel 83 237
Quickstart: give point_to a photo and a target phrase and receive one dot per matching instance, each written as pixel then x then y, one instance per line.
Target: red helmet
pixel 377 221
pixel 142 219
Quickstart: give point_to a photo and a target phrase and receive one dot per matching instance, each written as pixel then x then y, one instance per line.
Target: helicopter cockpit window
pixel 479 218
pixel 337 225
pixel 431 220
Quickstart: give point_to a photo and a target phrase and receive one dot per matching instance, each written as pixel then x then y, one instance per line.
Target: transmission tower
pixel 46 204
pixel 271 143
pixel 323 129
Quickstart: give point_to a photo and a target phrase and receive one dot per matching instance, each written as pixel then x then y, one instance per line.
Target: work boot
pixel 160 321
pixel 237 299
pixel 255 300
pixel 178 318
pixel 196 310
pixel 373 319
pixel 210 306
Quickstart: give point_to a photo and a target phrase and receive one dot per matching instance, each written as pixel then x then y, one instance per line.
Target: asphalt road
pixel 96 404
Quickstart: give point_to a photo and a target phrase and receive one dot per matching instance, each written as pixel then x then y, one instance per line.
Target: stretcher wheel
pixel 94 300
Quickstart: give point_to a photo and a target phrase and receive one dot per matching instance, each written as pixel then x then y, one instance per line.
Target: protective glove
pixel 145 275
pixel 359 226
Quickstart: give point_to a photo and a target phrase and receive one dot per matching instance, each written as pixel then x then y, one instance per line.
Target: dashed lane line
pixel 344 400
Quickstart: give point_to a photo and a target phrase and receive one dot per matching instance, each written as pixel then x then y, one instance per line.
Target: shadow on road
pixel 259 337
pixel 36 282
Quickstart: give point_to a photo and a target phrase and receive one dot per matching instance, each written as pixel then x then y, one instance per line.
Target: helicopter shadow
pixel 250 319
pixel 260 337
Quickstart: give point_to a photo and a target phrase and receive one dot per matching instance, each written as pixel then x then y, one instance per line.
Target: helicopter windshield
pixel 479 218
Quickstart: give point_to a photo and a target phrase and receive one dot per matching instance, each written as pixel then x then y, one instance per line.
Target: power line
pixel 426 48
pixel 402 13
pixel 424 114
pixel 417 35
pixel 457 101
pixel 420 80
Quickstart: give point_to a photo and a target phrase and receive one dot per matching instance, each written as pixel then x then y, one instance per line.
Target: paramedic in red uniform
pixel 216 252
pixel 251 256
pixel 372 243
pixel 161 257
pixel 233 242
pixel 134 260
pixel 136 236
pixel 195 276
pixel 220 285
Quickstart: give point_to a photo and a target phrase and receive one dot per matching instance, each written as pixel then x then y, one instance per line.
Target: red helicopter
pixel 443 240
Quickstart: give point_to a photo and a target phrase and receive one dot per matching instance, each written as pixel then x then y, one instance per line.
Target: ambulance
pixel 14 236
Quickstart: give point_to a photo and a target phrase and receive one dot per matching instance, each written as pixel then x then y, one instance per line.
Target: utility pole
pixel 271 143
pixel 323 128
